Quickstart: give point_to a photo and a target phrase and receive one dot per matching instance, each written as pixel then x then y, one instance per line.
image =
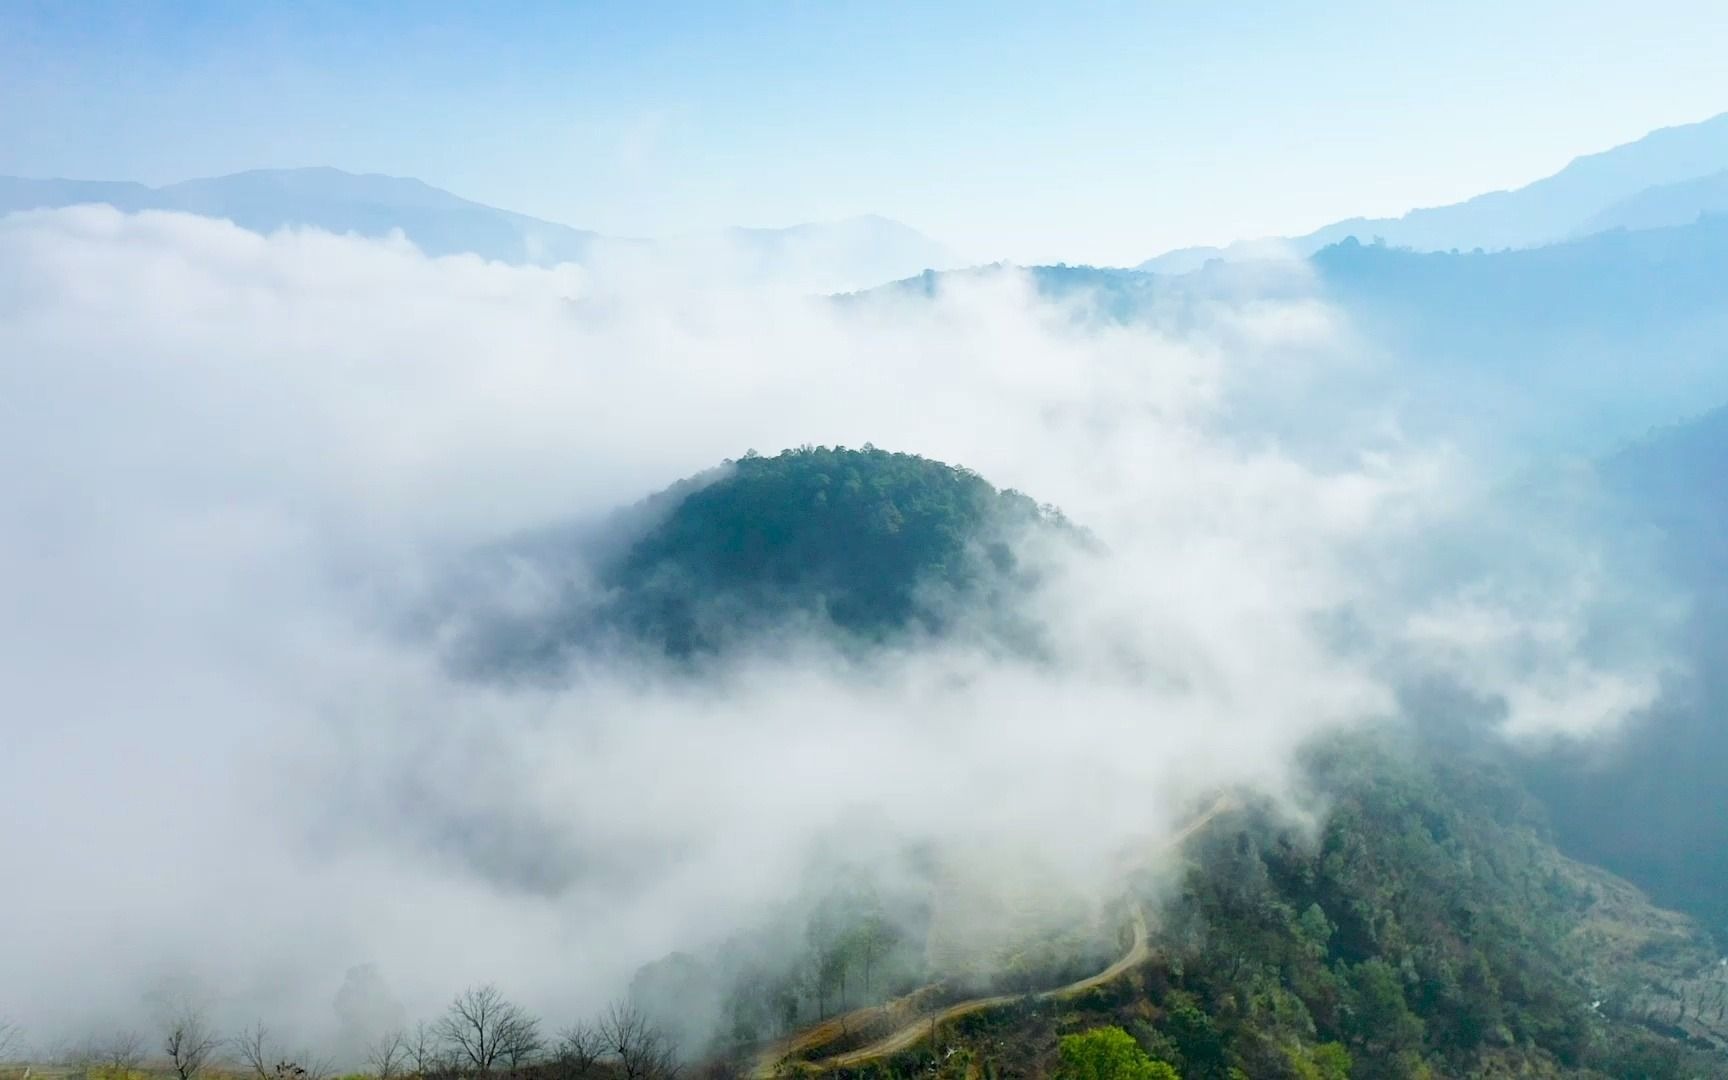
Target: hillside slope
pixel 1427 929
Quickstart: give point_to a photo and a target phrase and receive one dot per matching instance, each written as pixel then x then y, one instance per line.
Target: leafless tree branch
pixel 11 1039
pixel 638 1049
pixel 188 1041
pixel 306 1067
pixel 113 1057
pixel 578 1053
pixel 484 1030
pixel 252 1047
pixel 388 1055
pixel 425 1053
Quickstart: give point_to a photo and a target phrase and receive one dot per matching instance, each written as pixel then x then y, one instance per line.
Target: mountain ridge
pixel 851 251
pixel 1664 205
pixel 1545 210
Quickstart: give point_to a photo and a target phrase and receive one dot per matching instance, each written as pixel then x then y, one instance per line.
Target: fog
pixel 235 464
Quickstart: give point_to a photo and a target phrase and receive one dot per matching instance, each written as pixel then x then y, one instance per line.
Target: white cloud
pixel 230 457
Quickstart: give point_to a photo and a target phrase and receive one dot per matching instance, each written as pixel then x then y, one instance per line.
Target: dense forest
pixel 872 542
pixel 854 548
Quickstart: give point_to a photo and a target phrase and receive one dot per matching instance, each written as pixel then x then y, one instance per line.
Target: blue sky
pixel 1088 132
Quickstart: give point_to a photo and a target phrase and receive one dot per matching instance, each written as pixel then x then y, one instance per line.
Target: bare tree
pixel 188 1041
pixel 388 1055
pixel 314 1068
pixel 265 1061
pixel 485 1030
pixel 113 1057
pixel 425 1053
pixel 638 1049
pixel 578 1053
pixel 521 1044
pixel 11 1039
pixel 252 1047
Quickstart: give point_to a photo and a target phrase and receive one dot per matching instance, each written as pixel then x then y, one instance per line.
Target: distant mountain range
pixel 1570 348
pixel 824 256
pixel 1668 177
pixel 1679 203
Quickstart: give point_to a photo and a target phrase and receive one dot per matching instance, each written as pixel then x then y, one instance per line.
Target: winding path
pixel 785 1051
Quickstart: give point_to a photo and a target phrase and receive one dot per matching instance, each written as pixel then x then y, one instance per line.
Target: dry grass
pixel 1649 963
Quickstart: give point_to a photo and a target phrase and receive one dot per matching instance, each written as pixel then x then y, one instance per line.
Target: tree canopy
pixel 866 541
pixel 1108 1053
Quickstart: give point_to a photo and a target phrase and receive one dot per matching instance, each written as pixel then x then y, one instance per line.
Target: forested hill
pixel 1425 927
pixel 867 541
pixel 849 546
pixel 1430 929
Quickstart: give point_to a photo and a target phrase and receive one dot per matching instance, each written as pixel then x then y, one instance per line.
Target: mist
pixel 237 465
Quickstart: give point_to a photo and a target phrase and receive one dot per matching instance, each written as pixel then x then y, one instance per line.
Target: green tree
pixel 1382 1018
pixel 871 941
pixel 1316 929
pixel 1108 1053
pixel 1331 1061
pixel 1198 1038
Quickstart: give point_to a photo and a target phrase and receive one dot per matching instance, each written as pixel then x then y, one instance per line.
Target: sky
pixel 1095 132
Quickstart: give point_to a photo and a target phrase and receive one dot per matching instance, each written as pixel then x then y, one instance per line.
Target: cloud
pixel 234 461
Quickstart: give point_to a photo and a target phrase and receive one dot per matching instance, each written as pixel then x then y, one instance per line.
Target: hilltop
pixel 852 547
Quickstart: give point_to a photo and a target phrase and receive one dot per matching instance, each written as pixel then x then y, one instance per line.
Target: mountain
pixel 1422 923
pixel 266 200
pixel 18 193
pixel 821 256
pixel 855 547
pixel 1549 209
pixel 868 541
pixel 1569 348
pixel 1667 204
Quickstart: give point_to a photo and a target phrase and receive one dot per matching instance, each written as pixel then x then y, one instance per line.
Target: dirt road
pixel 911 1033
